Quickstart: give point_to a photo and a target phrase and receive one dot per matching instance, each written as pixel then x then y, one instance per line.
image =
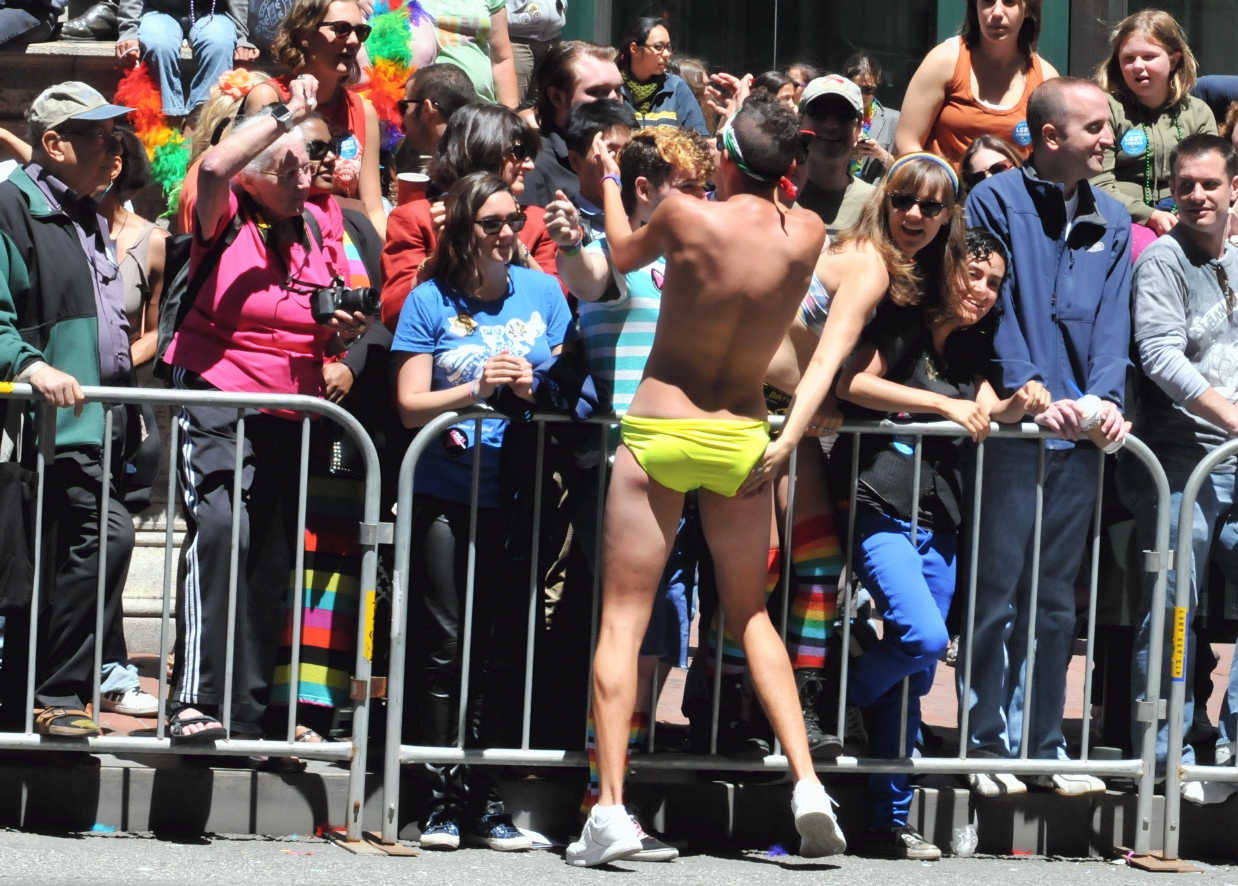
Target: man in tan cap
pixel 832 108
pixel 72 315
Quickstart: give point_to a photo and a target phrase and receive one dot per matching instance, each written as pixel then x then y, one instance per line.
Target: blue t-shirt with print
pixel 463 333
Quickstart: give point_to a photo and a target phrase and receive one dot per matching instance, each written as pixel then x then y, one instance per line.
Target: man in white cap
pixel 832 109
pixel 72 317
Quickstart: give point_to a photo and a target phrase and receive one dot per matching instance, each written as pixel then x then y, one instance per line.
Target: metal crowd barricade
pixel 1141 769
pixel 1175 772
pixel 371 533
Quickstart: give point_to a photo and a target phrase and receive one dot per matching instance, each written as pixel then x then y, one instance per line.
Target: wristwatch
pixel 283 116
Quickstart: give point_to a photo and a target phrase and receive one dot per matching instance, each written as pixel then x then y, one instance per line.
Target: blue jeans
pixel 118 677
pixel 213 39
pixel 1003 594
pixel 1214 534
pixel 912 586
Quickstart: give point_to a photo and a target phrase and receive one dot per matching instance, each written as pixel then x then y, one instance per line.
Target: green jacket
pixel 1134 126
pixel 48 311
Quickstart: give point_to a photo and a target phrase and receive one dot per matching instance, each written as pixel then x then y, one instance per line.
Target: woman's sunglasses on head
pixel 492 224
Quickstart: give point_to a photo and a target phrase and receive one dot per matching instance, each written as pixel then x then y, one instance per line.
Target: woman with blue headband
pixel 907 248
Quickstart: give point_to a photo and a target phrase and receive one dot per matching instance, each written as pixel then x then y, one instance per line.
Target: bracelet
pixel 612 177
pixel 574 249
pixel 475 391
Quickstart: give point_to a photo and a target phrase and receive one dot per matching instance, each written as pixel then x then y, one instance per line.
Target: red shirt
pixel 410 240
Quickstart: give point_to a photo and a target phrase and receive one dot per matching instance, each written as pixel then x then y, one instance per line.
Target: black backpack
pixel 179 292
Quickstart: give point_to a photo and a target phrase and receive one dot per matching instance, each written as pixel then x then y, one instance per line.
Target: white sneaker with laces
pixel 135 702
pixel 608 835
pixel 1069 785
pixel 998 784
pixel 1205 793
pixel 813 809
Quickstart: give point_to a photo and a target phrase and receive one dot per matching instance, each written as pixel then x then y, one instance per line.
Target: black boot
pixel 96 23
pixel 809 683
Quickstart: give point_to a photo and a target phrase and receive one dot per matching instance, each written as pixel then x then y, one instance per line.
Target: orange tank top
pixel 963 119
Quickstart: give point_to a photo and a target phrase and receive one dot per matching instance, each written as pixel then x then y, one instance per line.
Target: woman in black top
pixel 918 362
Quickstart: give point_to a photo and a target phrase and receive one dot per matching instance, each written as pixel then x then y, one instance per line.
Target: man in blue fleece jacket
pixel 1065 322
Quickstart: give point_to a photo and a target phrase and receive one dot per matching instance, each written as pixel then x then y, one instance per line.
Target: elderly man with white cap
pixel 72 325
pixel 832 108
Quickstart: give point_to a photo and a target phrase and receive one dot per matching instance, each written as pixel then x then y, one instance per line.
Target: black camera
pixel 337 297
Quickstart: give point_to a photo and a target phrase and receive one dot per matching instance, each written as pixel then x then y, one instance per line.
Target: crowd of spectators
pixel 1014 245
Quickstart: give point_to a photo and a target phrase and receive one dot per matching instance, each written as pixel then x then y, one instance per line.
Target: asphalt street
pixel 113 860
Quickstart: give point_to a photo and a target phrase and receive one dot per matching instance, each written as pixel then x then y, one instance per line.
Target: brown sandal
pixel 69 722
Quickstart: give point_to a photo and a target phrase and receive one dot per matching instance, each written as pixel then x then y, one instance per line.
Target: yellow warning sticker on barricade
pixel 371 598
pixel 6 387
pixel 1179 661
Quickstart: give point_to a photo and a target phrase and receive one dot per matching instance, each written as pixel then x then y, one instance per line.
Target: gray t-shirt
pixel 838 209
pixel 536 19
pixel 1186 329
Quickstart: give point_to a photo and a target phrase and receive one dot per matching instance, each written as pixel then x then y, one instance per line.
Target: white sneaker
pixel 1069 785
pixel 1205 793
pixel 652 849
pixel 608 835
pixel 1000 784
pixel 135 702
pixel 1225 753
pixel 813 809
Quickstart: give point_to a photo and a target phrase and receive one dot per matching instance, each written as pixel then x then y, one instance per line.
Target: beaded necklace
pixel 1147 157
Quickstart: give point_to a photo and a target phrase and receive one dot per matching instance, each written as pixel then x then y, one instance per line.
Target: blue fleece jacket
pixel 1065 307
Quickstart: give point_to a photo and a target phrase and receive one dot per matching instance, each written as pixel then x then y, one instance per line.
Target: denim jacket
pixel 1065 306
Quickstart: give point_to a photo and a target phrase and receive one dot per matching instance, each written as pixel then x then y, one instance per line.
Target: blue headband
pixel 932 158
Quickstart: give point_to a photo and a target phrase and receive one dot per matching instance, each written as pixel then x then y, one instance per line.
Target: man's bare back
pixel 736 272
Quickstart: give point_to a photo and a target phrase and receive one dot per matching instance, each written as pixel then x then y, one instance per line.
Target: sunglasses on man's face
pixel 492 224
pixel 928 208
pixel 318 149
pixel 343 29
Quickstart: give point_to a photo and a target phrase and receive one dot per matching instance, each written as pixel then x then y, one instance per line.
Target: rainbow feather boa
pixel 166 147
pixel 391 62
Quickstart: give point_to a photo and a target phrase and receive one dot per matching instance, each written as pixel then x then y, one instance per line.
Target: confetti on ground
pixel 776 850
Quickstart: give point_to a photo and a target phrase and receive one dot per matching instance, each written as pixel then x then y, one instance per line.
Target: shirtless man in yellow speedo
pixel 736 272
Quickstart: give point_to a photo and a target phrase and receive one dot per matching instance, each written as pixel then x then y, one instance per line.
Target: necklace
pixel 1147 157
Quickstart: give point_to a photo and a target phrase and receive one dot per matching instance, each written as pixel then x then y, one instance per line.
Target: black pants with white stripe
pixel 266 556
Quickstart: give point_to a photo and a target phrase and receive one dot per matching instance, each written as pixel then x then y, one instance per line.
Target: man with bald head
pixel 1065 323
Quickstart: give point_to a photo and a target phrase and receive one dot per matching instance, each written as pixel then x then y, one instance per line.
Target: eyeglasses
pixel 343 29
pixel 974 178
pixel 518 150
pixel 658 47
pixel 492 224
pixel 319 149
pixel 928 208
pixel 292 175
pixel 1230 298
pixel 110 140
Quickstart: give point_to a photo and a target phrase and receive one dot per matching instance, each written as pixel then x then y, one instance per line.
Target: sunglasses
pixel 110 140
pixel 928 208
pixel 318 149
pixel 519 150
pixel 343 29
pixel 492 224
pixel 1223 281
pixel 974 178
pixel 292 176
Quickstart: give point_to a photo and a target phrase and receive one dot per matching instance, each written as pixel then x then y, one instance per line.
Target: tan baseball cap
pixel 832 84
pixel 72 100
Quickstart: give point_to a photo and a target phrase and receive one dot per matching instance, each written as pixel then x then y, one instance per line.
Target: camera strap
pixel 269 237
